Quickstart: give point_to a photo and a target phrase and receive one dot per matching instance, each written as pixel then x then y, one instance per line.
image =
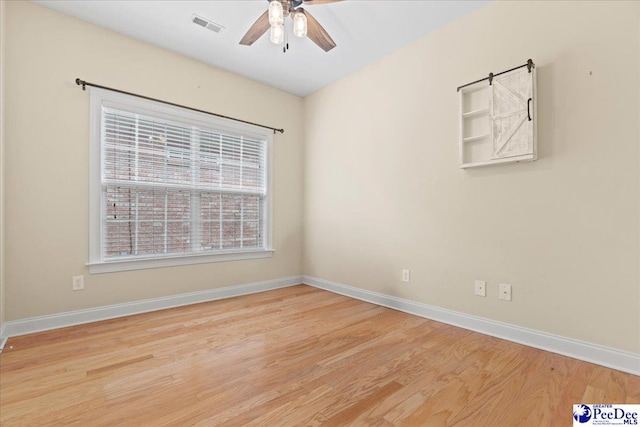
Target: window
pixel 170 187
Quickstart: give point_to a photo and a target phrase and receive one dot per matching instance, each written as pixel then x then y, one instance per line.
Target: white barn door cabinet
pixel 498 118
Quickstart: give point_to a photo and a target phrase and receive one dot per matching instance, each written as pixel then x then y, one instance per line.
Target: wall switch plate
pixel 77 283
pixel 481 288
pixel 405 276
pixel 505 292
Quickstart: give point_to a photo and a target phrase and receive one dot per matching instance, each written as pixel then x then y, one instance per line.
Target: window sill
pixel 170 261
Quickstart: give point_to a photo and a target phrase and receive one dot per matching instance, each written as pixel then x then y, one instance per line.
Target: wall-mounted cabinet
pixel 498 120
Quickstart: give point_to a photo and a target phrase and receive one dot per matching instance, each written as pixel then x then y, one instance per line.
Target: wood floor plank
pixel 289 357
pixel 297 411
pixel 348 414
pixel 119 364
pixel 633 389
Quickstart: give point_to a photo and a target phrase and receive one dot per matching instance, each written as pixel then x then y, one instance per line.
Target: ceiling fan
pixel 303 23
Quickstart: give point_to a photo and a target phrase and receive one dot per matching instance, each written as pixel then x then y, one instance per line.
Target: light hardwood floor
pixel 291 357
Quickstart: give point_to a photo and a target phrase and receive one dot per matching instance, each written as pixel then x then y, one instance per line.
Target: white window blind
pixel 170 187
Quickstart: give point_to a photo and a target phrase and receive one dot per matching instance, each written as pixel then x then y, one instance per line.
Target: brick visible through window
pixel 172 187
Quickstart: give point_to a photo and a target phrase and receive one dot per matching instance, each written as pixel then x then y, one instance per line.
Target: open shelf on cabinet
pixel 475 138
pixel 479 112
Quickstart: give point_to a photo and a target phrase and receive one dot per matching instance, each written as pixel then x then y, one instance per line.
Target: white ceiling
pixel 364 31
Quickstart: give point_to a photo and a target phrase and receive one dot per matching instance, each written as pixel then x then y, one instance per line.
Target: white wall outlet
pixel 505 292
pixel 405 276
pixel 77 283
pixel 481 288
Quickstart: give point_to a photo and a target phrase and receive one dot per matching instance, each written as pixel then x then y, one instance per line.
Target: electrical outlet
pixel 481 288
pixel 505 292
pixel 405 276
pixel 77 283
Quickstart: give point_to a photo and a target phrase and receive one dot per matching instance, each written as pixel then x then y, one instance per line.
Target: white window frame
pixel 100 98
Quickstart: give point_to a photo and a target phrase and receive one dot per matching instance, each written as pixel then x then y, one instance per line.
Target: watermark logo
pixel 606 415
pixel 581 413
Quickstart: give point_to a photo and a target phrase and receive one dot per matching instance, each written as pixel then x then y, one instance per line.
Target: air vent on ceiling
pixel 204 23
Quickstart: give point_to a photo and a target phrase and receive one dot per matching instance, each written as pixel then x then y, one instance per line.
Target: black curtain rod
pixel 530 65
pixel 85 83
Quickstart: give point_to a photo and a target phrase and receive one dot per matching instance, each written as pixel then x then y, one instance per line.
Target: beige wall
pixel 383 190
pixel 47 175
pixel 2 65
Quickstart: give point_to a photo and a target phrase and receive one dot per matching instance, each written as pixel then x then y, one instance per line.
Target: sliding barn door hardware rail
pixel 530 66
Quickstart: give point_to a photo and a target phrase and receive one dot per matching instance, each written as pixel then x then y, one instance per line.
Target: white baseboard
pixel 3 337
pixel 14 328
pixel 593 353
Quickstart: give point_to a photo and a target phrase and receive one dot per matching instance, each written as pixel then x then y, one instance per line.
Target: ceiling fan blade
pixel 317 34
pixel 312 2
pixel 257 30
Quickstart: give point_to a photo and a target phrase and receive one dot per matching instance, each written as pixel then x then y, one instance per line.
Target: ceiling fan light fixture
pixel 276 13
pixel 304 24
pixel 277 34
pixel 300 24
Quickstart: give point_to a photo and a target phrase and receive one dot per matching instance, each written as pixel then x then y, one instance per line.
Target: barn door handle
pixel 528 109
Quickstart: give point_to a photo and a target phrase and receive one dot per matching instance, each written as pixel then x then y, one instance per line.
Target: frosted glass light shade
pixel 300 24
pixel 276 14
pixel 277 34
